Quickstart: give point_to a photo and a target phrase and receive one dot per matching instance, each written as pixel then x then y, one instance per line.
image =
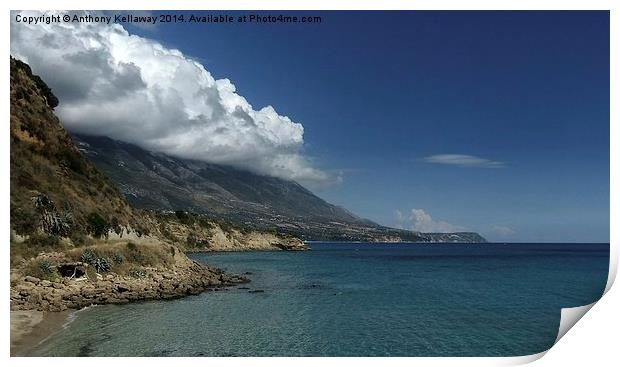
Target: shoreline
pixel 275 249
pixel 40 308
pixel 29 328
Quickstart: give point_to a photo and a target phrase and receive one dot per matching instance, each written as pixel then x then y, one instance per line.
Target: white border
pixel 591 343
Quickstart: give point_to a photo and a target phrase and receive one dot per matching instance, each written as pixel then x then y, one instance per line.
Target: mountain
pixel 57 193
pixel 161 182
pixel 158 181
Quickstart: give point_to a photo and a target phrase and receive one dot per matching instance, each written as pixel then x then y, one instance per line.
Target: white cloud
pixel 502 232
pixel 136 90
pixel 463 160
pixel 400 220
pixel 419 220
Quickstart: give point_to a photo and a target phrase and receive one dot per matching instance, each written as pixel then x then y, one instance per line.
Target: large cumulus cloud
pixel 134 89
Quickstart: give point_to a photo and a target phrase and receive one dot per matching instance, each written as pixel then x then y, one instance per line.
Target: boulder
pixel 32 280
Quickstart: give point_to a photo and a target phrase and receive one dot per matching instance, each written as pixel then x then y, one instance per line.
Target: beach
pixel 29 328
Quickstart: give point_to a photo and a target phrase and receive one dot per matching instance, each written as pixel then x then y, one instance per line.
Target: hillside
pixel 53 188
pixel 158 181
pixel 76 241
pixel 162 182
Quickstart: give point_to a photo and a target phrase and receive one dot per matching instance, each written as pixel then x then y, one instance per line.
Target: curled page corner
pixel 569 318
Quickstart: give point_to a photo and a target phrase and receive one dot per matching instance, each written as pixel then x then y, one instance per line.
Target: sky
pixel 494 122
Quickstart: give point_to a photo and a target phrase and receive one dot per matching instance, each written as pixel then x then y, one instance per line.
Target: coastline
pixel 40 308
pixel 29 328
pixel 272 249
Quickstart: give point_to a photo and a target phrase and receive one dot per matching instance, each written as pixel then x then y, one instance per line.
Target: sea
pixel 357 299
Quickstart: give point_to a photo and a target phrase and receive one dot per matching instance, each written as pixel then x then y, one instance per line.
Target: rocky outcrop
pixel 31 293
pixel 234 240
pixel 194 233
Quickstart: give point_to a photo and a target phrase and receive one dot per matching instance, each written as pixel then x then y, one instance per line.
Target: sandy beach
pixel 29 328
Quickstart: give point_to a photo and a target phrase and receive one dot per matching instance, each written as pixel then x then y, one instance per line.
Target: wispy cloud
pixel 463 160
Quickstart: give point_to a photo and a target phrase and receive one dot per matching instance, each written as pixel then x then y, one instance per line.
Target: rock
pixel 88 291
pixel 32 280
pixel 121 288
pixel 24 292
pixel 52 298
pixel 46 283
pixel 57 285
pixel 256 291
pixel 24 286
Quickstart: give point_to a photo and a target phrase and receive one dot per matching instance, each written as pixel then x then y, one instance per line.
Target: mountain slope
pixel 157 181
pixel 52 186
pixel 56 191
pixel 161 182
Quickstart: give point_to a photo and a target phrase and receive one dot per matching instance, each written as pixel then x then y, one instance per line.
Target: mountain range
pixel 157 181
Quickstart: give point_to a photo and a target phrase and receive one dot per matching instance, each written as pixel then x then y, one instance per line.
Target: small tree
pixel 97 225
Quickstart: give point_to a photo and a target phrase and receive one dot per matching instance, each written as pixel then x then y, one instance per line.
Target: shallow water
pixel 358 300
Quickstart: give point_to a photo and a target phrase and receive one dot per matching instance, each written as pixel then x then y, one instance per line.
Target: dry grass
pixel 123 258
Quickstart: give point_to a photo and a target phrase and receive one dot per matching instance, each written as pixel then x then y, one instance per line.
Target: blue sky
pixel 525 93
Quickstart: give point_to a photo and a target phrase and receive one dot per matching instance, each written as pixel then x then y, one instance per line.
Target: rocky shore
pixel 43 295
pixel 30 293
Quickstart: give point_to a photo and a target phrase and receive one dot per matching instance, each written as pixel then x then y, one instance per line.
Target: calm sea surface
pixel 358 300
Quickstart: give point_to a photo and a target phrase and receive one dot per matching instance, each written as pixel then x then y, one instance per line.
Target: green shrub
pixel 115 226
pixel 73 160
pixel 47 267
pixel 119 258
pixel 183 217
pixel 97 225
pixel 102 265
pixel 88 256
pixel 43 269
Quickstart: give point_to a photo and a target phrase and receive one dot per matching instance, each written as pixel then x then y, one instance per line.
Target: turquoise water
pixel 358 300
